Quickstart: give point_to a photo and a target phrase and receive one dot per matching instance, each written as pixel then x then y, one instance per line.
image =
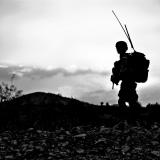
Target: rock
pixel 9 157
pixel 40 148
pixel 155 126
pixel 83 135
pixel 154 143
pixel 100 140
pixel 61 137
pixel 6 138
pixel 65 144
pixel 39 131
pixel 30 129
pixel 104 130
pixel 125 148
pixel 80 151
pixel 128 139
pixel 78 129
pixel 138 149
pixel 68 133
pixel 14 142
pixel 122 142
pixel 156 153
pixel 50 157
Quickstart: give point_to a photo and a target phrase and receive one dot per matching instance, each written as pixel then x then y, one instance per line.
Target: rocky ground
pixel 43 126
pixel 123 141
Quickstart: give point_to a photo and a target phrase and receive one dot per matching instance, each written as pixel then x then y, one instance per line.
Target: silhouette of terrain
pixel 48 126
pixel 46 110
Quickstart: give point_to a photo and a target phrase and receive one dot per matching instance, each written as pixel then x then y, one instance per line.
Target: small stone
pixel 104 130
pixel 78 129
pixel 80 151
pixel 65 144
pixel 68 133
pixel 50 157
pixel 30 129
pixel 100 140
pixel 53 145
pixel 155 143
pixel 125 148
pixel 128 154
pixel 5 138
pixel 39 131
pixel 9 157
pixel 51 154
pixel 19 154
pixel 128 139
pixel 138 149
pixel 63 153
pixel 14 142
pixel 155 126
pixel 156 153
pixel 61 137
pixel 83 135
pixel 40 148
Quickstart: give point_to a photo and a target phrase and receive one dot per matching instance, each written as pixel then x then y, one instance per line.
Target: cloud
pixel 43 73
pixel 69 83
pixel 40 73
pixel 7 71
pixel 87 85
pixel 20 7
pixel 8 7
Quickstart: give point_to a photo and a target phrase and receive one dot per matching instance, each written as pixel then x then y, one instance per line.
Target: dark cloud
pixel 39 73
pixel 42 73
pixel 147 95
pixel 7 71
pixel 9 7
pixel 26 8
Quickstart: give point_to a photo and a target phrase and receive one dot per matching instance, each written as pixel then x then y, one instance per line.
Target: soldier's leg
pixel 133 98
pixel 121 103
pixel 122 95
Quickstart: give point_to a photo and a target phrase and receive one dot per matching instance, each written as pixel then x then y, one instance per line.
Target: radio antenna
pixel 125 30
pixel 129 38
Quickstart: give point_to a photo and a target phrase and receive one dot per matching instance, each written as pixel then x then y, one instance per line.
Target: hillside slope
pixel 48 110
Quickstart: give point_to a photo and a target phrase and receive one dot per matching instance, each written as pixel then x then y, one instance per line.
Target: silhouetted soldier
pixel 120 72
pixel 130 69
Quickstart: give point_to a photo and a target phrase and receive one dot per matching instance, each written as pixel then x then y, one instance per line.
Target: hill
pixel 46 110
pixel 48 126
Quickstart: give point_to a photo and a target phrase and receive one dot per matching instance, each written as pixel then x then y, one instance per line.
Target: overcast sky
pixel 68 46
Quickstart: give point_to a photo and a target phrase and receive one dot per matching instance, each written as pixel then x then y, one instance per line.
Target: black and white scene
pixel 79 80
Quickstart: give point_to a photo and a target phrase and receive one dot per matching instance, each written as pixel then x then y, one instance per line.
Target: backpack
pixel 138 67
pixel 133 67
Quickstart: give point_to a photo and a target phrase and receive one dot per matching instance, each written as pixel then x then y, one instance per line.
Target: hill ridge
pixel 48 110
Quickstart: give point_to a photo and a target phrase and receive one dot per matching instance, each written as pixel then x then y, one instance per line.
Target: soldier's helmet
pixel 121 47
